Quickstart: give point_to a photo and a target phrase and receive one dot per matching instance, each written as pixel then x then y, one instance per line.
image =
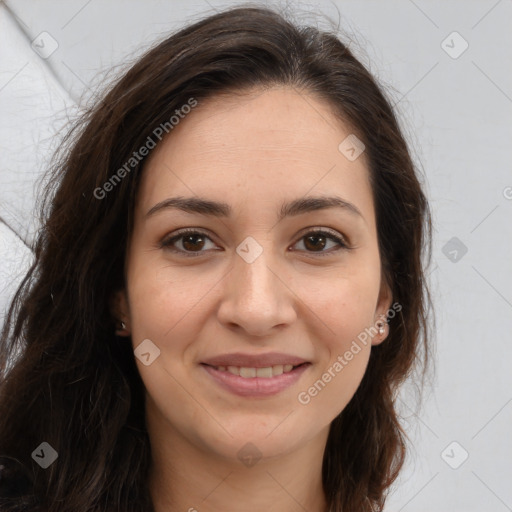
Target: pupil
pixel 313 237
pixel 189 240
pixel 191 237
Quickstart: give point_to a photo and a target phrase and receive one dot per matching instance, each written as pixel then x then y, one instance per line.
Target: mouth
pixel 256 382
pixel 266 372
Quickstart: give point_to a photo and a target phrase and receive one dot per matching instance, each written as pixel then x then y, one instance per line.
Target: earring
pixel 122 331
pixel 381 327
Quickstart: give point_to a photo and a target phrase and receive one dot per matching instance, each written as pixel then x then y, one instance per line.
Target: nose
pixel 256 297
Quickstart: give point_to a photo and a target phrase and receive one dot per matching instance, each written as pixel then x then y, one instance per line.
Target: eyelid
pixel 335 234
pixel 185 231
pixel 340 239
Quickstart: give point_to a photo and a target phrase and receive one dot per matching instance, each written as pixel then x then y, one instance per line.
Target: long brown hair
pixel 66 379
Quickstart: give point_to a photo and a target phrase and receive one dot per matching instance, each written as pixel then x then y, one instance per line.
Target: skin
pixel 254 152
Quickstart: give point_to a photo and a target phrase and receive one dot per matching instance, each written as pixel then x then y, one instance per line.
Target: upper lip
pixel 254 361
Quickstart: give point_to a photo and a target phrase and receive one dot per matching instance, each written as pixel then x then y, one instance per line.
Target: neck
pixel 191 478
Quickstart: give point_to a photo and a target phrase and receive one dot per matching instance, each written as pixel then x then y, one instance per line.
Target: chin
pixel 249 438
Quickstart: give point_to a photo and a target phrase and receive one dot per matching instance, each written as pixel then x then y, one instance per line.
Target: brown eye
pixel 191 241
pixel 317 241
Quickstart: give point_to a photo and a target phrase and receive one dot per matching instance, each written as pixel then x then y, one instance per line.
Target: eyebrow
pixel 299 206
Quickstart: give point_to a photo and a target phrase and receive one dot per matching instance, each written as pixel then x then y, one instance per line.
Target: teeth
pixel 249 373
pixel 263 372
pixel 277 370
pixel 233 369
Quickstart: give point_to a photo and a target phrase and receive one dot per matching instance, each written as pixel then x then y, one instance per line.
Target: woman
pixel 228 289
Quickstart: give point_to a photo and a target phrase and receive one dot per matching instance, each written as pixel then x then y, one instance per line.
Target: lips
pixel 255 375
pixel 255 387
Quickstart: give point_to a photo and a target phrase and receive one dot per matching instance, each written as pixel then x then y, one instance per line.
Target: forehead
pixel 254 150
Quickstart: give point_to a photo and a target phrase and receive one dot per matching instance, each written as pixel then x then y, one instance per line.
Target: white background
pixel 457 114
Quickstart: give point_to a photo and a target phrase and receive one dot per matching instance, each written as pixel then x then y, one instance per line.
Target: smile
pixel 256 382
pixel 250 373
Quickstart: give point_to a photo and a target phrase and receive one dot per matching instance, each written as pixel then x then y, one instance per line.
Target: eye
pixel 318 239
pixel 193 242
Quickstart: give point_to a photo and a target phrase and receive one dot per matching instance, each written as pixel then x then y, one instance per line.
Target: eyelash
pixel 167 243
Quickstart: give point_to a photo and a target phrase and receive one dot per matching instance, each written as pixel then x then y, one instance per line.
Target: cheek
pixel 162 300
pixel 346 305
pixel 343 359
pixel 163 311
pixel 335 386
pixel 347 310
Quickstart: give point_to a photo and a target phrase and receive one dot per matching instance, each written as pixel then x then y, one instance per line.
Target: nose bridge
pixel 255 297
pixel 255 271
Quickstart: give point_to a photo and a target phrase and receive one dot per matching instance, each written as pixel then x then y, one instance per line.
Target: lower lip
pixel 256 386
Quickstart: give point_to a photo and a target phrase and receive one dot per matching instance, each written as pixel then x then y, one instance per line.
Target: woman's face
pixel 252 289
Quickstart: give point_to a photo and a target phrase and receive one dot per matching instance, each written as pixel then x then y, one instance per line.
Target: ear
pixel 120 311
pixel 381 312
